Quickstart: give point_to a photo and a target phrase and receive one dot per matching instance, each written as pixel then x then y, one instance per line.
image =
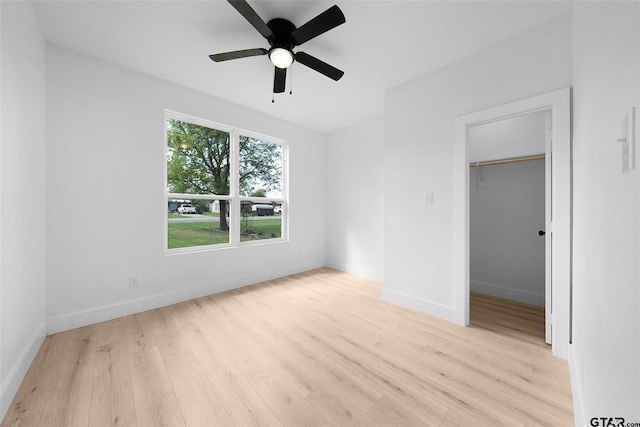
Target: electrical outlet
pixel 134 281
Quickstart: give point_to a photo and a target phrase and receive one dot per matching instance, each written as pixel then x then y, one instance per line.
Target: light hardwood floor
pixel 317 348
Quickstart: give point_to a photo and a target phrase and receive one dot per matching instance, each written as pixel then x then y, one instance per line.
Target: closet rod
pixel 504 161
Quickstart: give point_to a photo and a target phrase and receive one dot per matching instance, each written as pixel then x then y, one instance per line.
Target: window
pixel 224 186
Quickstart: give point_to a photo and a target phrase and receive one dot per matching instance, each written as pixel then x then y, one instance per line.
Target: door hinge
pixel 549 227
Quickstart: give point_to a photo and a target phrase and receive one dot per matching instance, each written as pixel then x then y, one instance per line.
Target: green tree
pixel 260 192
pixel 198 162
pixel 260 166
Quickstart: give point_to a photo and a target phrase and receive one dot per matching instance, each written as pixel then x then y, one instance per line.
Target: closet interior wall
pixel 507 209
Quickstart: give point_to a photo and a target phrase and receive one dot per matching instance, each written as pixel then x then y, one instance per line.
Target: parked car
pixel 262 210
pixel 186 208
pixel 277 209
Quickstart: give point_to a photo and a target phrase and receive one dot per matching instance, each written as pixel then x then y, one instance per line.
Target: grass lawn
pixel 187 234
pixel 264 229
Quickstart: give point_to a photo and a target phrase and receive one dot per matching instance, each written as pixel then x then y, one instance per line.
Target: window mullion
pixel 234 237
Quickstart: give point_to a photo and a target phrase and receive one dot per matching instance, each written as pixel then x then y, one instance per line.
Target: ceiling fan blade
pixel 279 80
pixel 250 15
pixel 320 66
pixel 322 23
pixel 219 57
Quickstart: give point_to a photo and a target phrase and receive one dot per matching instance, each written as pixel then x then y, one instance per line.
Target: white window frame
pixel 234 197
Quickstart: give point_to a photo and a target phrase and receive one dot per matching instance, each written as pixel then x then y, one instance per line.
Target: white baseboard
pixel 508 293
pixel 357 270
pixel 113 311
pixel 419 304
pixel 576 390
pixel 10 386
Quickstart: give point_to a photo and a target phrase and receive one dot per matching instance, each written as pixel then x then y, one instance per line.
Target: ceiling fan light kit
pixel 283 36
pixel 281 57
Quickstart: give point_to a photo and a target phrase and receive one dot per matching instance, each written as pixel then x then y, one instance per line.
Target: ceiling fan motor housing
pixel 282 38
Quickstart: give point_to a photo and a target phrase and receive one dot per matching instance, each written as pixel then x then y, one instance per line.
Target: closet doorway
pixel 509 207
pixel 558 297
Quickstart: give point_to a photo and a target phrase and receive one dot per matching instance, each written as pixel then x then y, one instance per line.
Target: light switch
pixel 628 141
pixel 428 198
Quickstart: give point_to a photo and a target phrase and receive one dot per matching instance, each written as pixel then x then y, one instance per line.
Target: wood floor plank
pixel 155 400
pixel 138 333
pixel 297 369
pixel 112 402
pixel 337 409
pixel 388 412
pixel 192 308
pixel 31 398
pixel 69 402
pixel 287 404
pixel 111 331
pixel 474 380
pixel 315 348
pixel 280 352
pixel 245 356
pixel 243 404
pixel 167 334
pixel 342 379
pixel 374 371
pixel 408 386
pixel 203 342
pixel 200 404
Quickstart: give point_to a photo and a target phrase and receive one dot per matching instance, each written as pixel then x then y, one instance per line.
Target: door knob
pixel 541 233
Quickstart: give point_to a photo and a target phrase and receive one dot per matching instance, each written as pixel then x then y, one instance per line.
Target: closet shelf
pixel 504 161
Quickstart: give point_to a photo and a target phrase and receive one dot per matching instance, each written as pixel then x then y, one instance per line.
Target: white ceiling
pixel 382 45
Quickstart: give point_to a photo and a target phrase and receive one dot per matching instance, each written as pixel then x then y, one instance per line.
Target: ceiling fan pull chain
pixel 291 80
pixel 273 101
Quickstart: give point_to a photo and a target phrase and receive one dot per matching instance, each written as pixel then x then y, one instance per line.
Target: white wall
pixel 355 202
pixel 605 355
pixel 105 146
pixel 419 137
pixel 506 254
pixel 518 136
pixel 22 192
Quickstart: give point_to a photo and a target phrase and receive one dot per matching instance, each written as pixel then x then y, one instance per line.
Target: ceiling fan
pixel 283 36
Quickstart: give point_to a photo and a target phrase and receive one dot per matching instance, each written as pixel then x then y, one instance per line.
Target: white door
pixel 548 231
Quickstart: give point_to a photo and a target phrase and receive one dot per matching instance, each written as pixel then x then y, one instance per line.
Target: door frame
pixel 559 104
